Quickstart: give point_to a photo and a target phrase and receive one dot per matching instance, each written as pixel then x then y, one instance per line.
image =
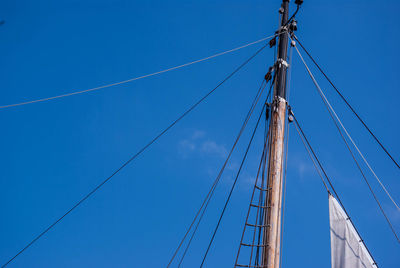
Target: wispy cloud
pixel 303 166
pixel 187 145
pixel 211 147
pixel 198 143
pixel 198 134
pixel 393 213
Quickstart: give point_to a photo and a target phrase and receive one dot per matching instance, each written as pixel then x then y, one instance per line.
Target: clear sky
pixel 53 153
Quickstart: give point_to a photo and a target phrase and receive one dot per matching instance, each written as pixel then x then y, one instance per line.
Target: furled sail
pixel 347 248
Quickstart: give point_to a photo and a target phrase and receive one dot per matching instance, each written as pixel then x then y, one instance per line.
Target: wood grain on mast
pixel 272 216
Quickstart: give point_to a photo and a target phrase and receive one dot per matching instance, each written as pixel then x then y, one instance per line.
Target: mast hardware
pixel 290 110
pixel 290 118
pixel 268 75
pixel 279 99
pixel 290 114
pixel 293 25
pixel 276 102
pixel 272 42
pixel 281 30
pixel 283 62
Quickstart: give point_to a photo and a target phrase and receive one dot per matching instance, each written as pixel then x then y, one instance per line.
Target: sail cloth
pixel 347 248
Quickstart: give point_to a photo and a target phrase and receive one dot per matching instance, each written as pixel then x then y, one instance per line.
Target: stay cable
pixel 335 116
pixel 201 211
pixel 232 188
pixel 136 78
pixel 347 103
pixel 134 156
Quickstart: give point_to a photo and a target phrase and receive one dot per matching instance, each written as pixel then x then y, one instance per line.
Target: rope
pixel 365 179
pixel 329 181
pixel 329 107
pixel 134 156
pixel 359 167
pixel 262 160
pixel 139 77
pixel 233 187
pixel 309 154
pixel 249 209
pixel 293 16
pixel 261 201
pixel 347 103
pixel 211 192
pixel 259 211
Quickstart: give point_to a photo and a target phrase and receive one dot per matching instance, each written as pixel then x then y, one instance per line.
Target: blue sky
pixel 55 152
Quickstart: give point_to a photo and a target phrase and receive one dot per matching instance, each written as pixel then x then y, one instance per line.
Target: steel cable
pixel 137 78
pixel 233 187
pixel 338 122
pixel 211 192
pixel 334 116
pixel 305 141
pixel 347 103
pixel 134 156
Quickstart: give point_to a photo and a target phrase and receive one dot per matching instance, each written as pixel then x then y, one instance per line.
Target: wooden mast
pixel 272 216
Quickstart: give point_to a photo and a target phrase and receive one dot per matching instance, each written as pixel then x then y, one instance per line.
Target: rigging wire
pixel 334 115
pixel 251 200
pixel 135 155
pixel 261 212
pixel 366 181
pixel 293 16
pixel 311 157
pixel 139 77
pixel 310 148
pixel 347 103
pixel 260 168
pixel 261 215
pixel 211 192
pixel 233 187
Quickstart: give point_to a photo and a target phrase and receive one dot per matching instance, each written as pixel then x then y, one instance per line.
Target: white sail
pixel 347 249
